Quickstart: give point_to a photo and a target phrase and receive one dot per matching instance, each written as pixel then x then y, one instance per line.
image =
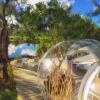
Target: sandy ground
pixel 28 85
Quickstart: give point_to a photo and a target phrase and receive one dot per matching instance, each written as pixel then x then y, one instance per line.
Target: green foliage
pixel 8 94
pixel 47 39
pixel 78 28
pixel 47 25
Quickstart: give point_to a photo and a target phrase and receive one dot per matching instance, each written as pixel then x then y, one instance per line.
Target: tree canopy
pixel 51 23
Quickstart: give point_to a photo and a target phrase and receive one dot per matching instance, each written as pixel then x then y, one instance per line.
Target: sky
pixel 67 2
pixel 82 7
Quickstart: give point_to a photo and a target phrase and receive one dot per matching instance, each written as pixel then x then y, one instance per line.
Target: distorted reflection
pixel 63 66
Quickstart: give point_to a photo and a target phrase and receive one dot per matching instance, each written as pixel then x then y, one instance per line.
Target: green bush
pixel 8 94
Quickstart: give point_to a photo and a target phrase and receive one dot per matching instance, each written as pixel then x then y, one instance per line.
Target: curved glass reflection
pixel 64 65
pixel 90 87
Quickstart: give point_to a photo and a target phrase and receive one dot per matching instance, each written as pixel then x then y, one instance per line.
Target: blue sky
pixel 78 6
pixel 83 7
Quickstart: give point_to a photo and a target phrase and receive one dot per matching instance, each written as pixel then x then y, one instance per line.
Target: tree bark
pixel 4 47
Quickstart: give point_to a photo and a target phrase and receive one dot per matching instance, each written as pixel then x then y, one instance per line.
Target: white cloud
pixel 11 19
pixel 70 2
pixel 67 2
pixel 33 2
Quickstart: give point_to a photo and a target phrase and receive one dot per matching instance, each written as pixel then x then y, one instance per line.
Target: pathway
pixel 28 85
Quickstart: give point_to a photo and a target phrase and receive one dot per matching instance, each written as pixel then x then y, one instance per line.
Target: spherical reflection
pixel 64 65
pixel 47 63
pixel 90 87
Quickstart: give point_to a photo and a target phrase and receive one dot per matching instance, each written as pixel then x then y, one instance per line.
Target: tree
pixel 30 23
pixel 4 11
pixel 48 24
pixel 4 42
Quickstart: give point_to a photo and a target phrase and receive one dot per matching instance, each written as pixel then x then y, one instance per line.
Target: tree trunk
pixel 4 47
pixel 4 56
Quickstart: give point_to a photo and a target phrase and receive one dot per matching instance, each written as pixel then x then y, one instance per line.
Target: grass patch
pixel 8 94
